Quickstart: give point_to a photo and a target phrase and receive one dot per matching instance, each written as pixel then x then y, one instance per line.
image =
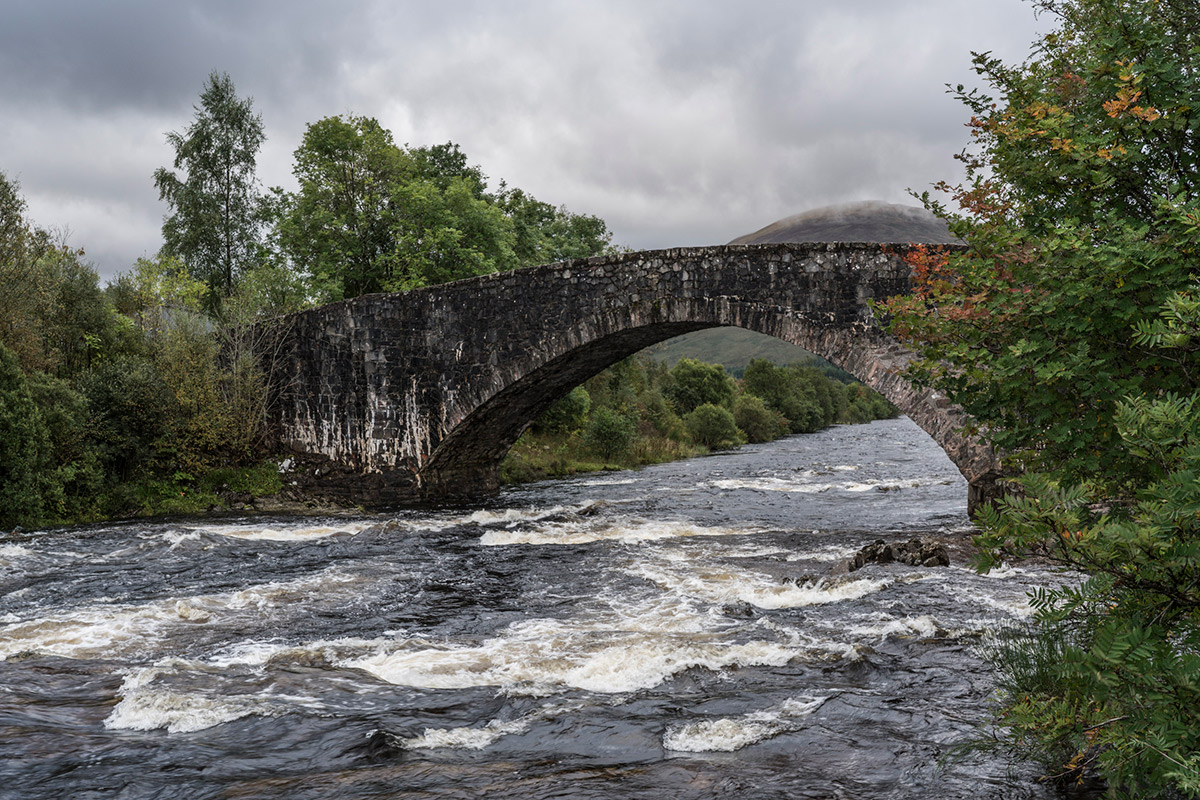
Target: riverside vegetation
pixel 148 395
pixel 640 412
pixel 1070 330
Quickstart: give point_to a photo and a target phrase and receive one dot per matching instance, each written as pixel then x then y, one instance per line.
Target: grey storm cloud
pixel 677 122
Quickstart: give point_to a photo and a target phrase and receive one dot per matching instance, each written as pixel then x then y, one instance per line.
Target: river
pixel 683 631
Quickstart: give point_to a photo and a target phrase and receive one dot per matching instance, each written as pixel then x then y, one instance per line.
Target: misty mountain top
pixel 866 221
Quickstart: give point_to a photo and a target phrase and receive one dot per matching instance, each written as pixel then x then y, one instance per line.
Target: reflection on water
pixel 685 631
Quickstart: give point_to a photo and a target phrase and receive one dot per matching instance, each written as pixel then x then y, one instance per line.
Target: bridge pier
pixel 983 491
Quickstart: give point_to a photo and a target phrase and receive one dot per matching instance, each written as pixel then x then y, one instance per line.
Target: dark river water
pixel 685 631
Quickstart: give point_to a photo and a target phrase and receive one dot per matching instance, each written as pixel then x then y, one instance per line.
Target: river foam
pixel 723 584
pixel 618 529
pixel 623 646
pixel 104 630
pixel 727 734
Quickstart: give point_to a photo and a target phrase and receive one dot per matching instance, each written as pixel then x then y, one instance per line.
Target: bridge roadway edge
pixel 415 397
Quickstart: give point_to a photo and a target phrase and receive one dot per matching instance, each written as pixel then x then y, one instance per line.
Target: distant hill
pixel 733 347
pixel 869 221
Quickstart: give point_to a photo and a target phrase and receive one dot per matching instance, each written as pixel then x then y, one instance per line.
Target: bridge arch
pixel 420 395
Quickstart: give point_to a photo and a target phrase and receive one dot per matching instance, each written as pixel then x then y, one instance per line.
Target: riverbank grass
pixel 541 456
pixel 219 489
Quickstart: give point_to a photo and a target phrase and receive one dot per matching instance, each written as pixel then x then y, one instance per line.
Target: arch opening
pixel 468 459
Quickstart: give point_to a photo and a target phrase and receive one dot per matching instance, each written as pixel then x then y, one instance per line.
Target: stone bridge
pixel 417 396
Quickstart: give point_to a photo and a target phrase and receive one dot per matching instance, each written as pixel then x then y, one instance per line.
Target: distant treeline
pixel 639 412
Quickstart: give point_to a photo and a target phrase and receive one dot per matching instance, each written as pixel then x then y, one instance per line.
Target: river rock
pixel 739 610
pixel 914 553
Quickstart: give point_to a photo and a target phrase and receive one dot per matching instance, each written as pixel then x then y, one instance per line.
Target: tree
pixel 545 234
pixel 1067 329
pixel 24 290
pixel 444 164
pixel 567 414
pixel 610 433
pixel 712 426
pixel 372 217
pixel 801 394
pixel 694 383
pixel 216 208
pixel 24 446
pixel 340 226
pixel 448 234
pixel 756 421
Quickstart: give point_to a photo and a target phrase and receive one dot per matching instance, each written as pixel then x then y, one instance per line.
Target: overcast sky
pixel 679 122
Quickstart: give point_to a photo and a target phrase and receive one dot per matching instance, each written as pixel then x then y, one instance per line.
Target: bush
pixel 694 383
pixel 568 413
pixel 759 423
pixel 131 409
pixel 713 427
pixel 609 434
pixel 24 447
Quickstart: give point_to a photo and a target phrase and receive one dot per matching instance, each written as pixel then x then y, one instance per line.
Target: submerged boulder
pixel 914 553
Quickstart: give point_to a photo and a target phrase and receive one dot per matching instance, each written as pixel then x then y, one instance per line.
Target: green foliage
pixel 694 383
pixel 446 165
pixel 22 287
pixel 569 413
pixel 635 391
pixel 658 411
pixel 620 385
pixel 865 404
pixel 1066 329
pixel 216 210
pixel 371 216
pixel 72 472
pixel 131 409
pixel 712 426
pixel 610 433
pixel 24 447
pixel 756 421
pixel 267 290
pixel 802 395
pixel 339 227
pixel 257 480
pixel 544 234
pixel 53 315
pixel 446 234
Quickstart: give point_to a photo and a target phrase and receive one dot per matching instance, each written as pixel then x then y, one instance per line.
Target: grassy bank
pixel 536 457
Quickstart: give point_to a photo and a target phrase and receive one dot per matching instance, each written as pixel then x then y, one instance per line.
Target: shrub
pixel 568 413
pixel 694 383
pixel 759 423
pixel 713 427
pixel 609 433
